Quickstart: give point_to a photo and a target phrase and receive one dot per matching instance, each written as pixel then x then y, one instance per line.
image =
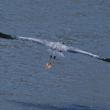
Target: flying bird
pixel 55 48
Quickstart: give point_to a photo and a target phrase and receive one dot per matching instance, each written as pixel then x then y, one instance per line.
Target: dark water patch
pixel 34 106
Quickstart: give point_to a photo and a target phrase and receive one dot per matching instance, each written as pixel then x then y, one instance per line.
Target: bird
pixel 55 48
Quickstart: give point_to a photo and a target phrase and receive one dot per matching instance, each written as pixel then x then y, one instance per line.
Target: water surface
pixel 74 82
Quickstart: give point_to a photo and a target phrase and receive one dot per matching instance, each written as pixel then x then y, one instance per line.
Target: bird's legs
pixel 50 58
pixel 49 65
pixel 53 59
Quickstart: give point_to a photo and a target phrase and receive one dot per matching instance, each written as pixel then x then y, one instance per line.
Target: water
pixel 74 82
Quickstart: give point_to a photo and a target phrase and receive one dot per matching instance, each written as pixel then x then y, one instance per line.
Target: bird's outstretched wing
pixel 76 50
pixel 105 59
pixel 39 41
pixel 6 36
pixel 55 46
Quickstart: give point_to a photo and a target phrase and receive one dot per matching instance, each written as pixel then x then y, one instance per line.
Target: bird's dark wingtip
pixel 105 59
pixel 2 35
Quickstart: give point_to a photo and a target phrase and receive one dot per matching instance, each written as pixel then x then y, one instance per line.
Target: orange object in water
pixel 48 66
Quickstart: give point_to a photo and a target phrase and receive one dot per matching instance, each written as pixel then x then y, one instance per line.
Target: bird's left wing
pixel 38 41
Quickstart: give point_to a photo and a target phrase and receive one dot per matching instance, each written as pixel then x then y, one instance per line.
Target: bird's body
pixel 55 48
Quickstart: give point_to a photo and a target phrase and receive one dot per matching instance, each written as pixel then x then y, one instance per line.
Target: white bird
pixel 55 48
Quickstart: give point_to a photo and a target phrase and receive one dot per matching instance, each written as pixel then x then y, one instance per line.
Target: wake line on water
pixel 57 46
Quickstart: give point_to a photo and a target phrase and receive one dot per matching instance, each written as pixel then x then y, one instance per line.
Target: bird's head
pixel 62 42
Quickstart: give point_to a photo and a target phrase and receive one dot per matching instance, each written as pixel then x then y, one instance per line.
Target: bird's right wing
pixel 73 50
pixel 76 50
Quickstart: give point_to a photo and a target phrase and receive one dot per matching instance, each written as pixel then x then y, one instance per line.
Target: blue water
pixel 74 82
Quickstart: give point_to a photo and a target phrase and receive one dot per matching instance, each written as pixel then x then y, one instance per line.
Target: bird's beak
pixel 48 66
